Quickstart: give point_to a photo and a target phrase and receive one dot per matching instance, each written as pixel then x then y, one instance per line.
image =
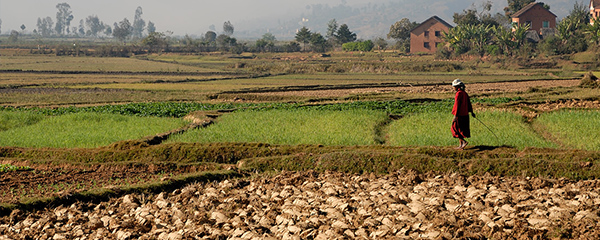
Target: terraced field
pixel 293 153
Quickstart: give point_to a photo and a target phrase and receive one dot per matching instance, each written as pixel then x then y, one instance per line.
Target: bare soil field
pixel 60 180
pixel 474 88
pixel 311 205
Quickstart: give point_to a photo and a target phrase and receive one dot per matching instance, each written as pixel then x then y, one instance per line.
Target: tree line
pixel 91 26
pixel 477 32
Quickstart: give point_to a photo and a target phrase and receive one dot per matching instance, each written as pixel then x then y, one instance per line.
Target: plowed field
pixel 309 205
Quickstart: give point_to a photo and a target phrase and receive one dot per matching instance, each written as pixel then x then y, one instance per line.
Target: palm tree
pixel 520 33
pixel 504 39
pixel 593 30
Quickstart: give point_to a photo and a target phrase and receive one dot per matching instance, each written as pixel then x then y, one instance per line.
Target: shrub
pixel 443 52
pixel 292 47
pixel 364 46
pixel 549 46
pixel 493 50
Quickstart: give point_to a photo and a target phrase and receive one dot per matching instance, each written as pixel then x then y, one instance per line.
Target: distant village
pixel 426 37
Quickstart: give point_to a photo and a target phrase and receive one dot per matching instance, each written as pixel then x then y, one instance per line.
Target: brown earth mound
pixel 308 205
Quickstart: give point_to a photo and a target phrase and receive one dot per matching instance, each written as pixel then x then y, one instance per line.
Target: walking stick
pixel 488 128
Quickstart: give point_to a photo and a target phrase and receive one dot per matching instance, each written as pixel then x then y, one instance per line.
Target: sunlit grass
pixel 404 77
pixel 98 79
pixel 95 64
pixel 86 130
pixel 9 120
pixel 575 128
pixel 354 127
pixel 433 129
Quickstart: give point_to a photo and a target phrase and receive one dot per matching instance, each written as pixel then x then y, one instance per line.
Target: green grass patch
pixel 433 129
pixel 10 168
pixel 212 63
pixel 93 64
pixel 180 109
pixel 153 109
pixel 86 130
pixel 327 127
pixel 585 57
pixel 575 128
pixel 9 119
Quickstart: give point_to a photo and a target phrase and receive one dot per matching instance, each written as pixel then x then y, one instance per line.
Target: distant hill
pixel 374 19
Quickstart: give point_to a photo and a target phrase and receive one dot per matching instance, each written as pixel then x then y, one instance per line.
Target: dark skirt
pixel 461 128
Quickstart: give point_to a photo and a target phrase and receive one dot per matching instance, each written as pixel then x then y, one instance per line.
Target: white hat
pixel 457 83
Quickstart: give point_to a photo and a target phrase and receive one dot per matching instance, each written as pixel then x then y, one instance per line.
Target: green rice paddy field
pixel 293 126
pixel 80 130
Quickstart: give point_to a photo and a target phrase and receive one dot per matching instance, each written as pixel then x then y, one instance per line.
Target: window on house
pixel 426 33
pixel 426 45
pixel 528 23
pixel 438 33
pixel 545 24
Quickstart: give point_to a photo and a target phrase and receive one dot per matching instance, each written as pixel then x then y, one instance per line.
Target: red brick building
pixel 537 16
pixel 594 10
pixel 425 37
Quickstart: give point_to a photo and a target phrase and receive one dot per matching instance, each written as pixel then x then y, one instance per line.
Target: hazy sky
pixel 186 16
pixel 180 16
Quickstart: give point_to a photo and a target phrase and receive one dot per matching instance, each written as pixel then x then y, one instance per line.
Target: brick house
pixel 425 37
pixel 537 16
pixel 594 10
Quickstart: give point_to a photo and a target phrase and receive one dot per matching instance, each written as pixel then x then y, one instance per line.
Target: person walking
pixel 461 127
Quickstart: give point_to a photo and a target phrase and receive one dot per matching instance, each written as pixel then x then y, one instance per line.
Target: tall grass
pixel 86 130
pixel 575 128
pixel 10 120
pixel 327 127
pixel 433 129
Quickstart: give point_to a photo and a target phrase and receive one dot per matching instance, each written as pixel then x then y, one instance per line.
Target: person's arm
pixel 470 106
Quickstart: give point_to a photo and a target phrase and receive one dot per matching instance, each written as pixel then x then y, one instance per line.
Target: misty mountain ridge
pixel 373 19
